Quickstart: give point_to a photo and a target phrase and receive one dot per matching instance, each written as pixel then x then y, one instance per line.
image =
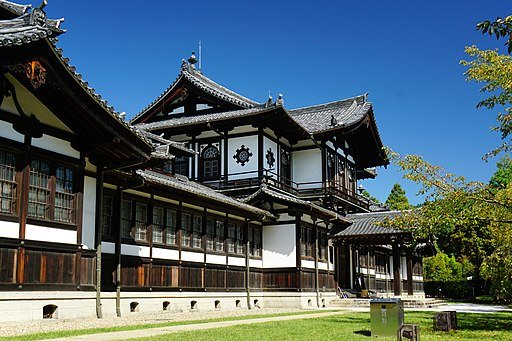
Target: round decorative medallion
pixel 242 156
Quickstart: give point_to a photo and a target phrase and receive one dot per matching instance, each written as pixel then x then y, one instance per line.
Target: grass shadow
pixel 363 333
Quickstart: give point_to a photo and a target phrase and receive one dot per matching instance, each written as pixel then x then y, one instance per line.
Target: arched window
pixel 210 163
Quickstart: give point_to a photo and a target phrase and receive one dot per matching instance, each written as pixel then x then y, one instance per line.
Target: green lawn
pixel 354 326
pixel 66 333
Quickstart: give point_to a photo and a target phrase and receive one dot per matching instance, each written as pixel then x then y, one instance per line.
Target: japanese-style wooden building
pixel 204 200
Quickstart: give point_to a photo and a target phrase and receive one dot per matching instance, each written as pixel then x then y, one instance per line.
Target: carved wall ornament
pixel 242 156
pixel 271 160
pixel 34 71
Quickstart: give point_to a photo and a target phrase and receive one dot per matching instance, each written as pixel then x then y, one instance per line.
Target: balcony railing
pixel 301 189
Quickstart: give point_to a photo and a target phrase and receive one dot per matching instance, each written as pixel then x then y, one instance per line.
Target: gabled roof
pixel 196 78
pixel 181 183
pixel 264 192
pixel 318 118
pixel 201 118
pixel 369 224
pixel 28 27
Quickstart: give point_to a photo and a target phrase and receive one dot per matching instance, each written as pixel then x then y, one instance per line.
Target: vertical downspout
pixel 99 228
pixel 247 265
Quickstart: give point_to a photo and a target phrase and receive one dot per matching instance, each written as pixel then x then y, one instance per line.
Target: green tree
pixel 501 28
pixel 368 195
pixel 443 268
pixel 397 200
pixel 503 175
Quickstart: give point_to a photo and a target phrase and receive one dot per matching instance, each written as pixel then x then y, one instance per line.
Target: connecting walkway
pixel 151 332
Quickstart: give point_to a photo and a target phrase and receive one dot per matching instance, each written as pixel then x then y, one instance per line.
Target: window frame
pixel 202 162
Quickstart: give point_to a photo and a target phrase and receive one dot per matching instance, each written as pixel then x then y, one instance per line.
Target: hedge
pixel 455 289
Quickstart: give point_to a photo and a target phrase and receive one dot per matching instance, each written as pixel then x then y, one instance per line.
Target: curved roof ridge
pixel 14 8
pixel 306 109
pixel 192 74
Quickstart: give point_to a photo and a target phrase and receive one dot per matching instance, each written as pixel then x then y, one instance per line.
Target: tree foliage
pixel 442 268
pixel 503 175
pixel 397 200
pixel 500 28
pixel 368 195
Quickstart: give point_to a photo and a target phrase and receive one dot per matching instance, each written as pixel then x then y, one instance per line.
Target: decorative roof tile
pixel 183 184
pixel 14 8
pixel 327 116
pixel 206 84
pixel 369 224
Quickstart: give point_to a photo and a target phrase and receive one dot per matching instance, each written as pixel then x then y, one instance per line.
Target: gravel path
pixel 12 329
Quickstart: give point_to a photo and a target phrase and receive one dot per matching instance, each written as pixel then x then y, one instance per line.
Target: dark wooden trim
pixel 324 165
pixel 298 253
pixel 246 134
pixel 192 145
pixel 397 285
pixel 283 222
pixel 409 260
pixel 225 156
pixel 260 152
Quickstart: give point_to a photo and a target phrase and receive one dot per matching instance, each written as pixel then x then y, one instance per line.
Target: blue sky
pixel 404 53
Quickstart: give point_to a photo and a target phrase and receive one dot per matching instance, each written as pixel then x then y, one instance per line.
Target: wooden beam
pixel 397 282
pixel 408 255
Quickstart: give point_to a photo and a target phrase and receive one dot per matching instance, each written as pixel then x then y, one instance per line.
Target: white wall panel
pixel 50 234
pixel 9 229
pixel 322 266
pixel 255 263
pixel 269 144
pixel 192 256
pixel 88 214
pixel 250 142
pixel 7 131
pixel 135 250
pixel 107 247
pixel 236 261
pixel 307 167
pixel 308 264
pixel 279 246
pixel 165 253
pixel 56 145
pixel 215 259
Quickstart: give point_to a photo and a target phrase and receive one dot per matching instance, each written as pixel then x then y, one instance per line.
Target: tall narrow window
pixel 230 241
pixel 285 170
pixel 7 182
pixel 219 235
pixel 234 241
pixel 209 234
pixel 257 242
pixel 39 190
pixel 197 231
pixel 210 163
pixel 108 210
pixel 64 195
pixel 141 220
pixel 181 165
pixel 158 224
pixel 186 227
pixel 170 227
pixel 239 245
pixel 126 219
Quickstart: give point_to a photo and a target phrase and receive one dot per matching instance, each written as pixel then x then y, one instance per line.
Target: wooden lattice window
pixel 322 245
pixel 39 190
pixel 235 238
pixel 210 163
pixel 7 182
pixel 181 165
pixel 254 236
pixel 141 221
pixel 158 224
pixel 219 236
pixel 186 227
pixel 170 227
pixel 126 218
pixel 108 211
pixel 209 233
pixel 197 230
pixel 64 195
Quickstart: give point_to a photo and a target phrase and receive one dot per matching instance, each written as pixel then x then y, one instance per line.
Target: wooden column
pixel 317 282
pixel 99 232
pixel 225 160
pixel 23 210
pixel 397 285
pixel 78 218
pixel 298 252
pixel 408 255
pixel 192 163
pixel 116 219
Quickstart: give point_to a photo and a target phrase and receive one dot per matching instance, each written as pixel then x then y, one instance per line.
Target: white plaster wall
pixel 322 266
pixel 307 167
pixel 192 256
pixel 215 259
pixel 9 229
pixel 250 142
pixel 165 253
pixel 50 234
pixel 89 212
pixel 308 264
pixel 279 246
pixel 255 263
pixel 236 261
pixel 107 247
pixel 7 131
pixel 56 145
pixel 269 144
pixel 285 217
pixel 135 250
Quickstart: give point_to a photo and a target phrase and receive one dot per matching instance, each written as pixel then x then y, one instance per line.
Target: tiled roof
pixel 368 224
pixel 319 118
pixel 14 8
pixel 162 143
pixel 204 118
pixel 290 198
pixel 206 84
pixel 28 27
pixel 183 184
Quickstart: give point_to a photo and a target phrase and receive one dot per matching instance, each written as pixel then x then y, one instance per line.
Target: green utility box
pixel 387 315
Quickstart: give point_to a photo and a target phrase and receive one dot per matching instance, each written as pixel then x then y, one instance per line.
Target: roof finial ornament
pixel 269 100
pixel 43 4
pixel 192 59
pixel 334 121
pixel 280 100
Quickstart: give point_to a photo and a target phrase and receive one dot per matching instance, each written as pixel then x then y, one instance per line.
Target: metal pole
pixel 317 284
pixel 99 231
pixel 247 265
